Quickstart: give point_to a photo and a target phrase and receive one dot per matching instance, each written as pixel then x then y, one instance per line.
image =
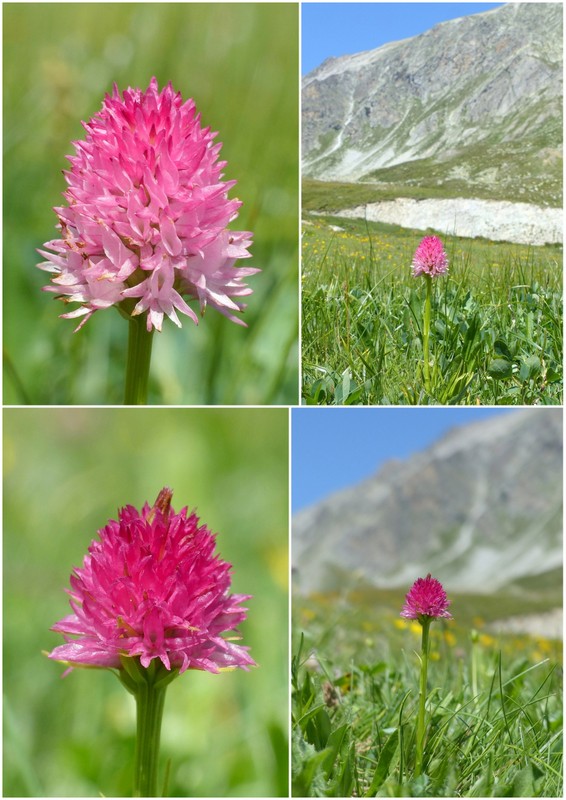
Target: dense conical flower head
pixel 152 587
pixel 426 598
pixel 430 258
pixel 147 215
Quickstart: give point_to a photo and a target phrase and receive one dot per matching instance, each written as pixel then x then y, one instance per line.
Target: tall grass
pixel 240 64
pixel 494 710
pixel 496 333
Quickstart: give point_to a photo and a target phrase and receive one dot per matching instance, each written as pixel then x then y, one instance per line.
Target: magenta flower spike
pixel 151 601
pixel 425 601
pixel 430 258
pixel 145 227
pixel 152 587
pixel 426 598
pixel 147 215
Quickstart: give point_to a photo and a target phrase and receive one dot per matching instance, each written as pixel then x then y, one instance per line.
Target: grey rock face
pixel 489 79
pixel 481 508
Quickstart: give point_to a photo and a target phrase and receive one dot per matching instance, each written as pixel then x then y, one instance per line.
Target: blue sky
pixel 338 447
pixel 337 29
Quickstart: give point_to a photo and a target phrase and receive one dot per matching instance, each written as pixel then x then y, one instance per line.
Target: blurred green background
pixel 66 472
pixel 239 62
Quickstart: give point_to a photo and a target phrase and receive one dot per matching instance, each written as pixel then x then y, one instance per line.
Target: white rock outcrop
pixel 498 221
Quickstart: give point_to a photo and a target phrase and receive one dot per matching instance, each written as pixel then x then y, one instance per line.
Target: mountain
pixel 471 105
pixel 481 509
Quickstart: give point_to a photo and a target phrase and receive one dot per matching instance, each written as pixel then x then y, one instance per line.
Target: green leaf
pixel 529 368
pixel 383 765
pixel 354 396
pixel 316 726
pixel 523 784
pixel 306 768
pixel 500 369
pixel 310 714
pixel 333 747
pixel 416 309
pixel 553 373
pixel 346 778
pixel 501 349
pixel 344 388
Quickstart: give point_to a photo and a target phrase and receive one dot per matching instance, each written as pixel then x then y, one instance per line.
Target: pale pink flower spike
pixel 430 258
pixel 147 215
pixel 426 598
pixel 152 587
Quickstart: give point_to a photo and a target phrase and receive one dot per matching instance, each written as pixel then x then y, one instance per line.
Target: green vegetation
pixel 494 708
pixel 66 472
pixel 329 196
pixel 526 169
pixel 487 171
pixel 496 333
pixel 240 64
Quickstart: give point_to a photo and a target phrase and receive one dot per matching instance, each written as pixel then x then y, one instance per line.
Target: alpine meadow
pixel 427 605
pixel 457 133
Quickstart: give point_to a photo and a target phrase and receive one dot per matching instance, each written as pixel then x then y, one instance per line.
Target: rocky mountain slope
pixel 473 103
pixel 481 509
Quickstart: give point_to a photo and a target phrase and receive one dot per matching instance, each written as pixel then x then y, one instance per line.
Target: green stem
pixel 148 686
pixel 426 332
pixel 139 357
pixel 149 705
pixel 425 622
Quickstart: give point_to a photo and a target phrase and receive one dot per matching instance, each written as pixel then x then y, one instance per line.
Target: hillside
pixel 471 108
pixel 481 509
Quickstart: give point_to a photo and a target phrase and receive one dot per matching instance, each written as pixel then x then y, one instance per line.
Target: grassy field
pixel 240 64
pixel 66 472
pixel 496 334
pixel 399 181
pixel 494 708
